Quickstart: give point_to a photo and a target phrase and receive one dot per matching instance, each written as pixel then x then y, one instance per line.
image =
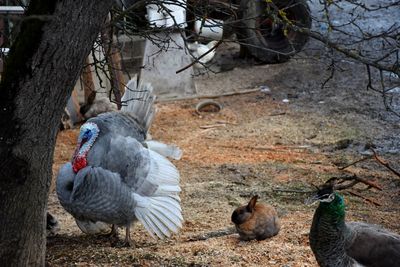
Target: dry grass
pixel 262 144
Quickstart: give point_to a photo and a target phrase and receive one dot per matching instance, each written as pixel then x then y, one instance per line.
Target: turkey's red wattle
pixel 79 163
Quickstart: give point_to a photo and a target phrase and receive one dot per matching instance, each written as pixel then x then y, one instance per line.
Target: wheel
pixel 267 40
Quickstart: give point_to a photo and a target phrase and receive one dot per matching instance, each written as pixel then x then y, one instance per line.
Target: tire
pixel 265 41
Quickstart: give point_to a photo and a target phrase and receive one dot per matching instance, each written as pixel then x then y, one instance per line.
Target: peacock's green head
pixel 330 201
pixel 326 194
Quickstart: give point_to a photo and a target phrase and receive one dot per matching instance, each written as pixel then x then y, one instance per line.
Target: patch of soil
pixel 257 144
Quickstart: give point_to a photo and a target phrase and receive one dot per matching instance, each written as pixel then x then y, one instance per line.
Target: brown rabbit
pixel 256 221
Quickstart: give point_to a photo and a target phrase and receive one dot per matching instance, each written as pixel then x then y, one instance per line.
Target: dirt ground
pixel 266 143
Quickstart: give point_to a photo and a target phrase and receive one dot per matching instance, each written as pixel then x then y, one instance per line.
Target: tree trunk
pixel 40 73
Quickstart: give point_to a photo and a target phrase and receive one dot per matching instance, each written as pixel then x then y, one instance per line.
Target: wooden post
pixel 119 76
pixel 87 81
pixel 113 58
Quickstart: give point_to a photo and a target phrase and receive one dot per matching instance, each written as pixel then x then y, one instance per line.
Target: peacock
pixel 117 177
pixel 335 242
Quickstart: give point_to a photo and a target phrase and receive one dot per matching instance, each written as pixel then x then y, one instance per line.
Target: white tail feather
pixel 147 224
pixel 167 221
pixel 159 223
pixel 169 206
pixel 171 151
pixel 164 174
pixel 160 216
pixel 139 100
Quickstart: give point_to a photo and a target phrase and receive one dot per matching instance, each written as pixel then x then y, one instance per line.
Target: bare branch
pixel 200 57
pixel 354 163
pixel 345 182
pixel 376 203
pixel 212 234
pixel 385 164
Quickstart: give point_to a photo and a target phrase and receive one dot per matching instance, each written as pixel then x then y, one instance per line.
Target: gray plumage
pixel 337 243
pixel 115 178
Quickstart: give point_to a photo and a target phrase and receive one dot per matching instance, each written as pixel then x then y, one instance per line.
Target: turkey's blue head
pixel 87 135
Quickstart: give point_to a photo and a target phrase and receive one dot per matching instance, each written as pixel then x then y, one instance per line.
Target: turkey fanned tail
pixel 160 215
pixel 170 151
pixel 138 100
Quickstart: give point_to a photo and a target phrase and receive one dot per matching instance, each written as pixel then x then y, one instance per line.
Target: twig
pixel 227 122
pixel 213 234
pixel 268 148
pixel 332 73
pixel 292 190
pixel 354 163
pixel 385 164
pixel 379 160
pixel 210 96
pixel 354 179
pixel 365 198
pixel 277 114
pixel 279 147
pixel 200 57
pixel 212 126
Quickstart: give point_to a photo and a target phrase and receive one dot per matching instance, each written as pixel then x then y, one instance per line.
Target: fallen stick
pixel 248 91
pixel 212 126
pixel 354 163
pixel 378 159
pixel 227 122
pixel 273 148
pixel 385 164
pixel 213 234
pixel 277 114
pixel 292 190
pixel 365 198
pixel 353 180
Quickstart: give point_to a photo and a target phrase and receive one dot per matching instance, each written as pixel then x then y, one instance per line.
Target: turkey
pixel 335 242
pixel 116 176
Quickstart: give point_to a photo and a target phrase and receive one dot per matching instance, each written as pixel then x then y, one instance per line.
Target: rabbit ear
pixel 252 203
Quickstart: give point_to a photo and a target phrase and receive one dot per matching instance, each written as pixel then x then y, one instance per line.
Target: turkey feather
pixel 139 100
pixel 158 223
pixel 170 151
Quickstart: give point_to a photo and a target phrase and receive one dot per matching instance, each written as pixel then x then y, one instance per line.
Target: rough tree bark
pixel 41 70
